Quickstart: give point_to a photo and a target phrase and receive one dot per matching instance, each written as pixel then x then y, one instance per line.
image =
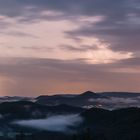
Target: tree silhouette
pixel 87 135
pixel 20 136
pixel 75 137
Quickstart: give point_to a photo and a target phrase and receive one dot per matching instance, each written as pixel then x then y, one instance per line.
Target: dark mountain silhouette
pixel 89 99
pixel 27 110
pixel 88 95
pixel 98 124
pixel 76 100
pixel 120 94
pixel 122 124
pixel 101 124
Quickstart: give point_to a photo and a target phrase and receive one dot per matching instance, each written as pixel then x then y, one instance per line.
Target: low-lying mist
pixel 117 102
pixel 59 123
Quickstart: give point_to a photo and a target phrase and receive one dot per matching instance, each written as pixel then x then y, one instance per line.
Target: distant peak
pixel 89 94
pixel 89 91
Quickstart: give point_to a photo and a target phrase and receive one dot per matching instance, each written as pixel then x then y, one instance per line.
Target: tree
pixel 20 136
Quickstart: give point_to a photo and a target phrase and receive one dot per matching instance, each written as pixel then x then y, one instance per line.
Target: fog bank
pixel 58 123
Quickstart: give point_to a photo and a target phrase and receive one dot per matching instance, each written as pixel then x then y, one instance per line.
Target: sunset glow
pixel 52 47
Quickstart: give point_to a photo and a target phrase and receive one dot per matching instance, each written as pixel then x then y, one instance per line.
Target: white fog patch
pixel 58 123
pixel 1 116
pixel 117 102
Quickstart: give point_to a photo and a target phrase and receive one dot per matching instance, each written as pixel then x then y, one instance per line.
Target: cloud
pixel 33 9
pixel 31 77
pixel 83 48
pixel 121 37
pixel 18 34
pixel 54 123
pixel 116 23
pixel 78 7
pixel 1 116
pixel 87 44
pixel 117 102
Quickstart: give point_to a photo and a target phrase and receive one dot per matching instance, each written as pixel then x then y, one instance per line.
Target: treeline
pixel 85 135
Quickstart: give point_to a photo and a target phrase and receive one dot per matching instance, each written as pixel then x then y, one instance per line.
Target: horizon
pixel 69 46
pixel 69 69
pixel 61 94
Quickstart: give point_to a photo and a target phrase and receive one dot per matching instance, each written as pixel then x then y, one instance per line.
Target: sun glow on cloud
pixel 43 40
pixel 105 55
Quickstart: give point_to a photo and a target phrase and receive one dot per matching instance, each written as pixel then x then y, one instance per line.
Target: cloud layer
pixel 69 46
pixel 31 77
pixel 117 102
pixel 54 123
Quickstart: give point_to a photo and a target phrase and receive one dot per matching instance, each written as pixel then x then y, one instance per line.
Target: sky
pixel 69 46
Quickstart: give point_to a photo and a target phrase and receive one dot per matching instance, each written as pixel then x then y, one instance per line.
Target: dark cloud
pixel 18 34
pixel 121 37
pixel 130 62
pixel 38 48
pixel 82 48
pixel 80 7
pixel 120 27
